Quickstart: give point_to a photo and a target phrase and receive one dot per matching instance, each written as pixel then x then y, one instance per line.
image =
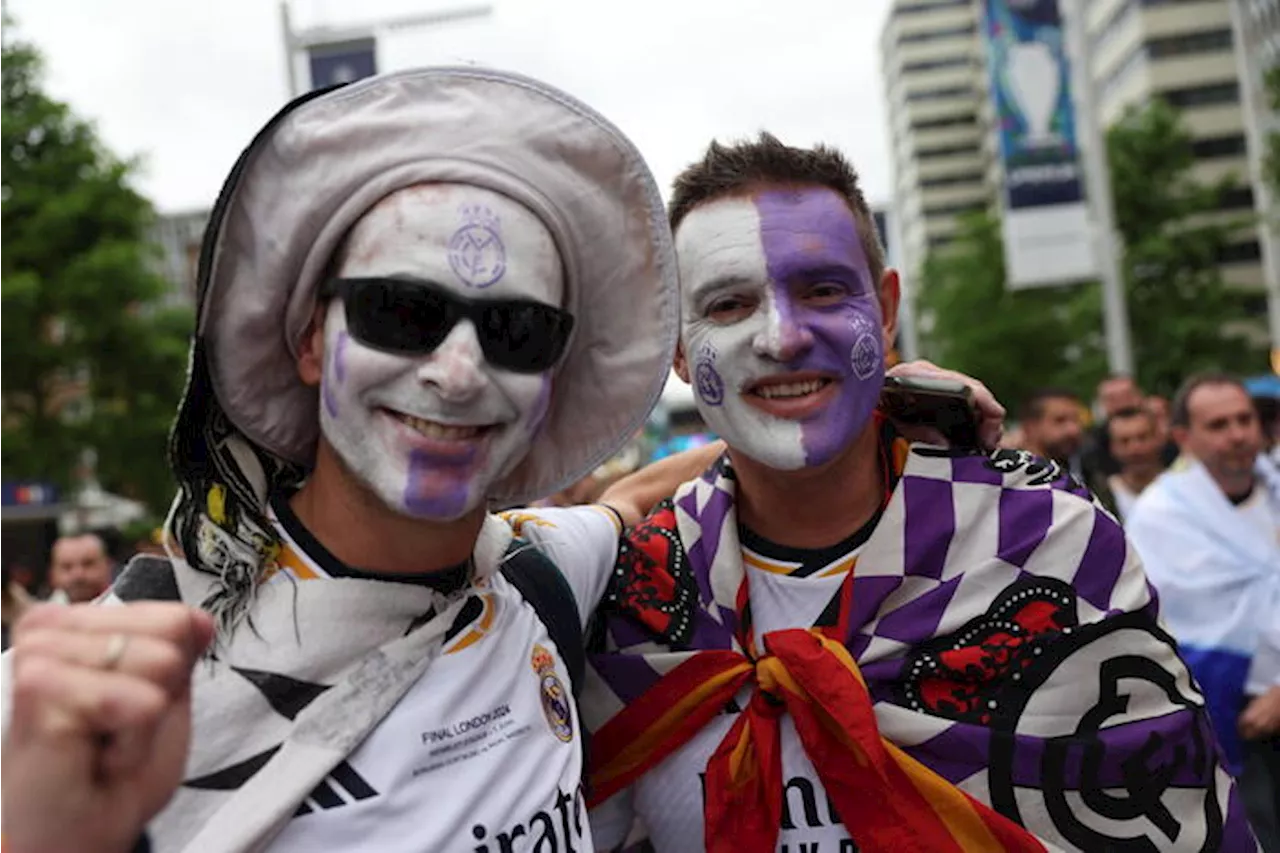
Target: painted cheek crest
pixel 707 380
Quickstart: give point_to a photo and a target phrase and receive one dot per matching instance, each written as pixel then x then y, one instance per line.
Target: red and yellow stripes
pixel 663 719
pixel 887 800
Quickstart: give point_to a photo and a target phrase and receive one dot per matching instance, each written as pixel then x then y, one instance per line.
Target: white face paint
pixel 430 434
pixel 720 242
pixel 781 324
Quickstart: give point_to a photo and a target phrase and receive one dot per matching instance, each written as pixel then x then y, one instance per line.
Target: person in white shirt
pixel 419 294
pixel 1208 531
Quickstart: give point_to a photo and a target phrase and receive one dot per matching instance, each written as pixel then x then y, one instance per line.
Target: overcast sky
pixel 185 85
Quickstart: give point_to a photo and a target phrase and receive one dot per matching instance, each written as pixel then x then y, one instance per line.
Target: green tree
pixel 93 357
pixel 1271 156
pixel 1179 307
pixel 1015 341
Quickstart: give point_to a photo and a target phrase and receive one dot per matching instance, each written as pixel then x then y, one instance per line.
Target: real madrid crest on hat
pixel 555 699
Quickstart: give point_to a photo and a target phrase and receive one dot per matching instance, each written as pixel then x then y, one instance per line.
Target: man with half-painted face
pixel 836 639
pixel 419 294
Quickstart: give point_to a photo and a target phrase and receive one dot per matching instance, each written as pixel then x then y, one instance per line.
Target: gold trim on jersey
pixel 479 628
pixel 782 567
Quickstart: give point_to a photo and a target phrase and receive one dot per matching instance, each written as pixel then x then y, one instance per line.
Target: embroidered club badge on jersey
pixel 555 699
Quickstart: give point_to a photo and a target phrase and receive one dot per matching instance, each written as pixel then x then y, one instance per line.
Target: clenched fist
pixel 99 723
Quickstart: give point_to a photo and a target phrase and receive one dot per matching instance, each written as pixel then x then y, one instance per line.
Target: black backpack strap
pixel 542 584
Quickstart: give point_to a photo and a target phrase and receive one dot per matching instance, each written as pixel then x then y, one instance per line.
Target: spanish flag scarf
pixel 887 800
pixel 681 606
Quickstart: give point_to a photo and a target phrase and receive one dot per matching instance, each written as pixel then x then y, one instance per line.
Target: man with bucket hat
pixel 419 294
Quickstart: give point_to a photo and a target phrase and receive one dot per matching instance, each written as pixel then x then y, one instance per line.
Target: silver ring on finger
pixel 116 645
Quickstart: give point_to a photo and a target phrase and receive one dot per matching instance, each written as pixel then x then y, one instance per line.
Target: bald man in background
pixel 79 569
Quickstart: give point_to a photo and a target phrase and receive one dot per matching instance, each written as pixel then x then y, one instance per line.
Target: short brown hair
pixel 727 170
pixel 1180 411
pixel 1033 407
pixel 1130 413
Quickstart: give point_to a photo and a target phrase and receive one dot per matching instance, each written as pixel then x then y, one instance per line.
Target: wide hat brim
pixel 320 165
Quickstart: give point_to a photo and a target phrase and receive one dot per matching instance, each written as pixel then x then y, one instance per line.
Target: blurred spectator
pixel 1053 428
pixel 1135 443
pixel 1207 533
pixel 1159 408
pixel 1115 393
pixel 14 601
pixel 79 568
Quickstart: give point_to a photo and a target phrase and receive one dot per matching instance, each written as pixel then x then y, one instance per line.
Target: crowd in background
pixel 81 567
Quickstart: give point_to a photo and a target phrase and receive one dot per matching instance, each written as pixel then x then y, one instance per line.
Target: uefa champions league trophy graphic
pixel 1035 82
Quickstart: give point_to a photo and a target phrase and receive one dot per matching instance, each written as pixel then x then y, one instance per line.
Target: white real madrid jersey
pixel 482 755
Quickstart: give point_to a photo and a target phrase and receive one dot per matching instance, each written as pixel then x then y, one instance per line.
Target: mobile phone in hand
pixel 944 404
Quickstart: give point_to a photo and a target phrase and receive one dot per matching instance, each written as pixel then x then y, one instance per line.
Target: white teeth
pixel 790 389
pixel 431 429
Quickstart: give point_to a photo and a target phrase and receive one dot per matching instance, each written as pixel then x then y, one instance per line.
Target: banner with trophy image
pixel 1045 221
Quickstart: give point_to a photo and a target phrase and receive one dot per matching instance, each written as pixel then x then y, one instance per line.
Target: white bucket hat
pixel 324 161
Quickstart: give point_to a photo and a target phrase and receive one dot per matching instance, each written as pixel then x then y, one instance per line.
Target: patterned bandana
pixel 991 675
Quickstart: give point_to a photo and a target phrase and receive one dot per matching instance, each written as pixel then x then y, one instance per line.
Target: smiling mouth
pixel 788 390
pixel 438 431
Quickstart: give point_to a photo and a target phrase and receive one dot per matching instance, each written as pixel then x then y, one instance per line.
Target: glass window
pixel 945 121
pixel 1199 96
pixel 1208 41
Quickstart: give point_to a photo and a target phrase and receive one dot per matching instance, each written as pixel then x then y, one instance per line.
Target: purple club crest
pixel 476 252
pixel 706 378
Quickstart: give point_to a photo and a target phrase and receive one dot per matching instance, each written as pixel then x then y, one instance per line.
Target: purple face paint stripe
pixel 338 370
pixel 541 405
pixel 339 357
pixel 1102 562
pixel 422 501
pixel 931 524
pixel 801 229
pixel 1025 517
pixel 812 231
pixel 330 401
pixel 918 620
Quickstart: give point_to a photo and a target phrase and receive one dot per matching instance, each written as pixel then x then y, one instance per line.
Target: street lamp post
pixel 1093 158
pixel 1258 120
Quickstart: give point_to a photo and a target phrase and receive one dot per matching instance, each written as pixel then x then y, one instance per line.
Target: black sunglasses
pixel 412 317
